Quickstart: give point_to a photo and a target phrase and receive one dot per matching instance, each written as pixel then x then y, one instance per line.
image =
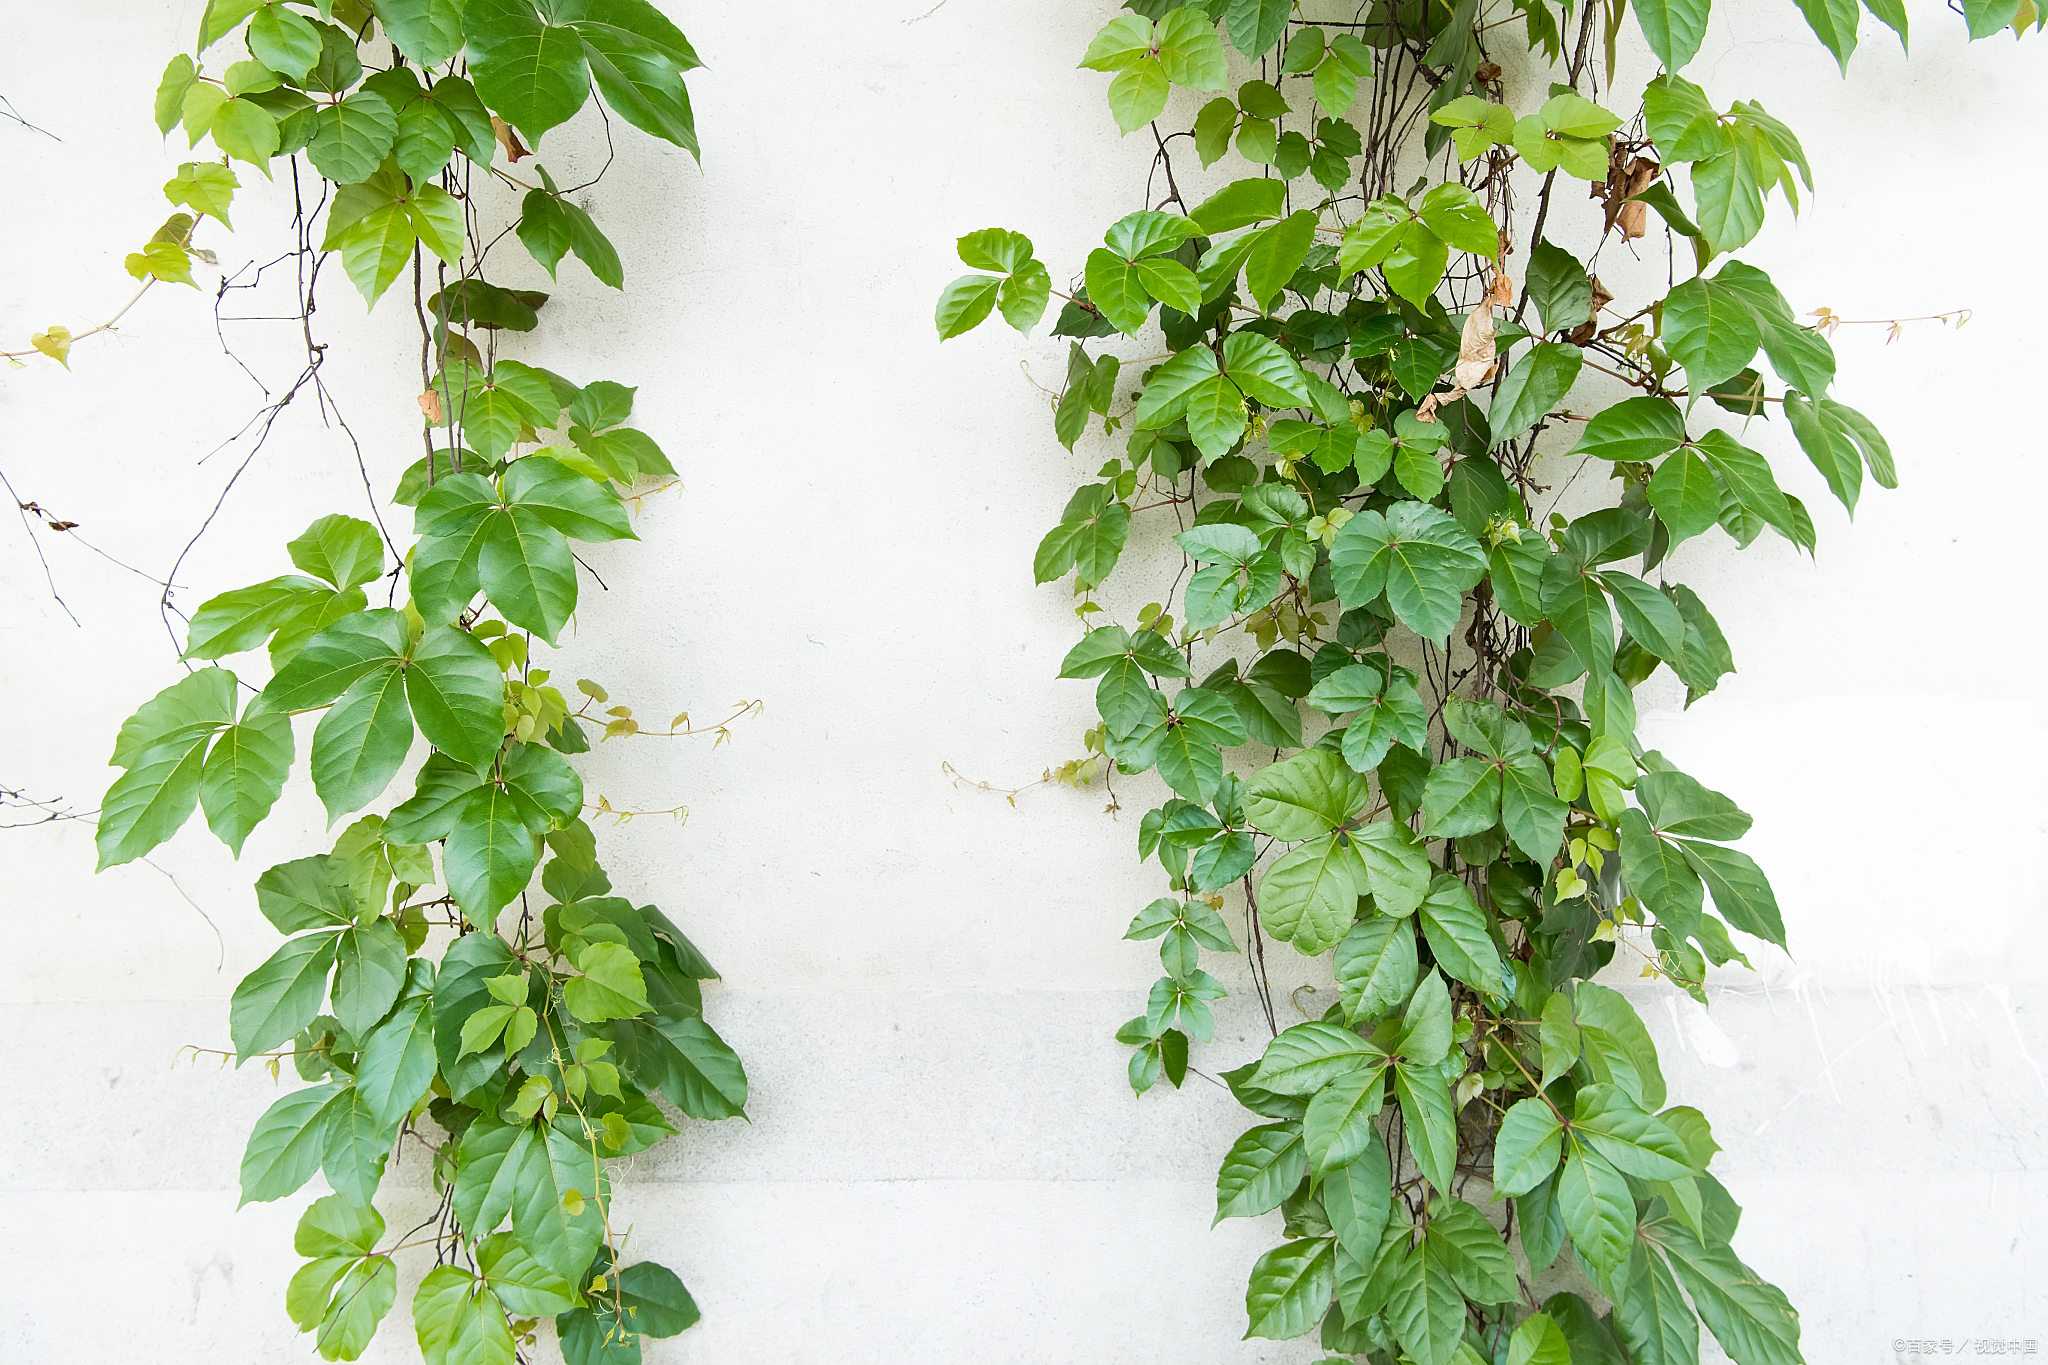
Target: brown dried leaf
pixel 515 150
pixel 430 404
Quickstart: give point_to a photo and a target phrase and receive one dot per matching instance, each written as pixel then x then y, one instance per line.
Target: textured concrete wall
pixel 944 1162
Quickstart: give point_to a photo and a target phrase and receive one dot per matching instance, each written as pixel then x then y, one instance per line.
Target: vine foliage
pixel 1387 693
pixel 460 972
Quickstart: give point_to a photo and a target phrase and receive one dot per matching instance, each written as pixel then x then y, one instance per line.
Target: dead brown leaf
pixel 515 150
pixel 430 404
pixel 1475 348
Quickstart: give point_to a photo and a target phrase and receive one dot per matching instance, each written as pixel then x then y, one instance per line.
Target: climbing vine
pixel 513 1028
pixel 1382 677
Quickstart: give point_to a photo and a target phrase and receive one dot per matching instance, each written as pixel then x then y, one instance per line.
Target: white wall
pixel 944 1162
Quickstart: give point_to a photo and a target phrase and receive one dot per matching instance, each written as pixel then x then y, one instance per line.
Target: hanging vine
pixel 513 1027
pixel 1351 441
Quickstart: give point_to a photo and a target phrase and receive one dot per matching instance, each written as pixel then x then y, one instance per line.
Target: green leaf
pixel 1637 1143
pixel 284 1147
pixel 640 81
pixel 1747 477
pixel 521 1283
pixel 1618 1047
pixel 1560 288
pixel 369 969
pixel 965 303
pixel 1414 265
pixel 1637 429
pixel 346 1311
pixel 147 804
pixel 244 618
pixel 1685 495
pixel 1659 875
pixel 180 75
pixel 1240 203
pixel 1987 17
pixel 1305 1058
pixel 362 741
pixel 457 695
pixel 656 1305
pixel 1305 796
pixel 1454 215
pixel 1216 416
pixel 185 712
pixel 308 893
pixel 1537 383
pixel 526 570
pixel 1679 805
pixel 245 131
pixel 609 987
pixel 1741 893
pixel 456 1319
pixel 337 657
pixel 1272 261
pixel 1358 1197
pixel 1137 95
pixel 1462 797
pixel 1456 929
pixel 1651 617
pixel 397 1064
pixel 1753 1321
pixel 1339 1125
pixel 1834 23
pixel 279 998
pixel 1023 297
pixel 355 1146
pixel 1255 28
pixel 531 73
pixel 1530 810
pixel 491 852
pixel 1426 1108
pixel 1422 559
pixel 1190 52
pixel 1654 1321
pixel 1673 29
pixel 1729 199
pixel 1397 867
pixel 333 1226
pixel 343 551
pixel 1577 606
pixel 457 98
pixel 1526 1150
pixel 1598 1210
pixel 1291 1285
pixel 1123 41
pixel 1376 967
pixel 1310 896
pixel 1827 442
pixel 1517 569
pixel 352 138
pixel 1213 127
pixel 1425 1308
pixel 428 32
pixel 1711 330
pixel 687 1062
pixel 1537 1341
pixel 1261 1169
pixel 1468 1246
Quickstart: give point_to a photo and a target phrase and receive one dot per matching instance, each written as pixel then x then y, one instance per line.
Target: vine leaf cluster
pixel 458 970
pixel 1391 702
